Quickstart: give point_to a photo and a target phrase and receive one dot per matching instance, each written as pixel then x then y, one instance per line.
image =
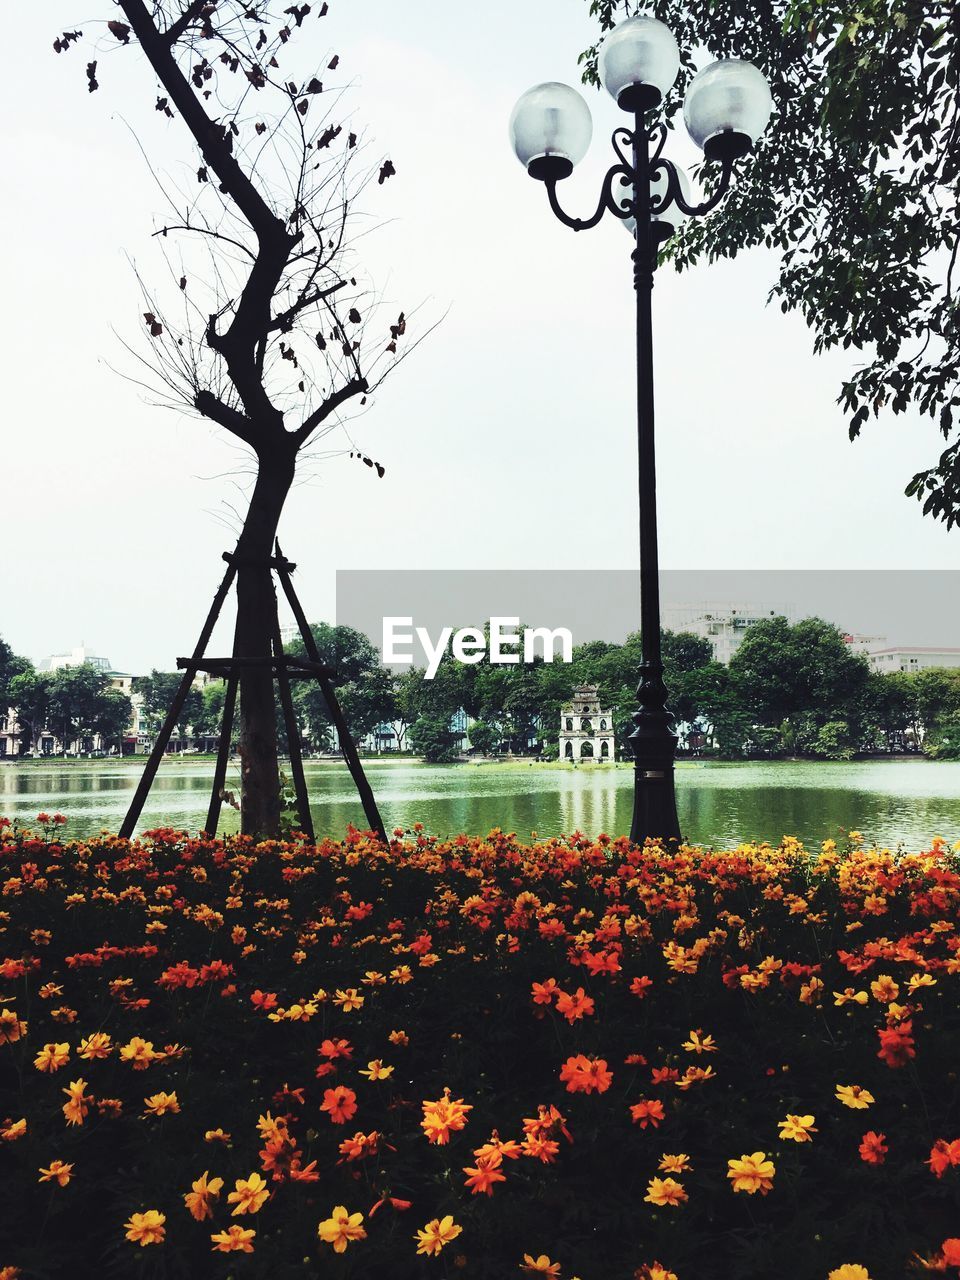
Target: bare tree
pixel 268 342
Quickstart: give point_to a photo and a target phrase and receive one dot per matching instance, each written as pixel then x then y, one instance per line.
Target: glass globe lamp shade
pixel 550 129
pixel 726 108
pixel 639 62
pixel 668 222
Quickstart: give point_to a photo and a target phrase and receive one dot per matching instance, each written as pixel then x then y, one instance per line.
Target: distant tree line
pixel 791 689
pixel 75 705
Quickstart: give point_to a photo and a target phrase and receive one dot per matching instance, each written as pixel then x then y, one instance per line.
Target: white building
pixel 586 730
pixel 723 624
pixel 913 658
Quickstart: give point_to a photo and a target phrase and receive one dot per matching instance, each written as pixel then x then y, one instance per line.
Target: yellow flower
pixel 848 995
pixel 11 1027
pixel 98 1045
pixel 752 1173
pixel 146 1227
pixel 62 1172
pixel 852 1095
pixel 664 1191
pixel 52 1057
pixel 158 1104
pixel 849 1271
pixel 377 1071
pixel 797 1128
pixel 341 1228
pixel 198 1200
pixel 919 980
pixel 349 1000
pixel 699 1043
pixel 437 1233
pixel 249 1195
pixel 235 1239
pixel 541 1266
pixel 675 1164
pixel 216 1135
pixel 140 1052
pixel 77 1104
pixel 811 992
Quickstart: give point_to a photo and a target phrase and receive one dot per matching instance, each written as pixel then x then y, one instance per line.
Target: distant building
pixel 722 624
pixel 913 658
pixel 865 644
pixel 586 730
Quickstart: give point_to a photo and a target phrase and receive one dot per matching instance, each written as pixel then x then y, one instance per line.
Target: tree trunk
pixel 256 610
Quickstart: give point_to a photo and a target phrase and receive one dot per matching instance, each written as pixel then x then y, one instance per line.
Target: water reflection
pixel 889 801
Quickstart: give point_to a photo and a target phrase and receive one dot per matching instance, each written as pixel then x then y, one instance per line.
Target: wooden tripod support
pixel 284 668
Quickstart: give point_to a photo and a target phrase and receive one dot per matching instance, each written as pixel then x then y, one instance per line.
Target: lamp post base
pixel 654 748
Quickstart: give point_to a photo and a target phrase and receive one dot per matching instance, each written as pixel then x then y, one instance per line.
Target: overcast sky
pixel 508 437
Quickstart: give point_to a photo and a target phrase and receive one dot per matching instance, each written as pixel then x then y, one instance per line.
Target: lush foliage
pixel 855 183
pixel 476 1057
pixel 76 704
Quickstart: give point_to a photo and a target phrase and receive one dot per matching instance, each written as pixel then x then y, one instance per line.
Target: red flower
pixel 339 1103
pixel 897 1044
pixel 873 1148
pixel 943 1155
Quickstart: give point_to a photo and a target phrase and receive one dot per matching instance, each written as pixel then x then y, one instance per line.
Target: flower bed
pixel 476 1057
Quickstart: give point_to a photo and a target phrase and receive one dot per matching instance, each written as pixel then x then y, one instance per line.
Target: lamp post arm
pixel 673 195
pixel 617 176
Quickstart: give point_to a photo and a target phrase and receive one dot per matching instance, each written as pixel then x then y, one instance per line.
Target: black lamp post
pixel 726 108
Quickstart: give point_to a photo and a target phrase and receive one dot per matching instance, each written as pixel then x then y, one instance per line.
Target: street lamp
pixel 726 108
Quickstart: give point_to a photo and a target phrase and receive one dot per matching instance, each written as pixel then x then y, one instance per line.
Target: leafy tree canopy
pixel 855 183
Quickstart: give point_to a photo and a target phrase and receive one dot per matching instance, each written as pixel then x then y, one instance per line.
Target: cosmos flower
pixel 198 1200
pixel 341 1229
pixel 146 1228
pixel 797 1128
pixel 340 1104
pixel 873 1148
pixel 438 1233
pixel 752 1173
pixel 854 1096
pixel 58 1171
pixel 52 1057
pixel 665 1191
pixel 249 1195
pixel 235 1239
pixel 541 1266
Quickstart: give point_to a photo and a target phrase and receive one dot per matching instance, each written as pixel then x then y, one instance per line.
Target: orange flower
pixel 752 1173
pixel 943 1155
pixel 217 1135
pixel 339 1103
pixel 11 1130
pixel 62 1172
pixel 675 1164
pixel 575 1006
pixel 139 1052
pixel 482 1176
pixel 12 1028
pixel 664 1191
pixel 544 992
pixel 158 1104
pixel 198 1200
pixel 349 1000
pixel 235 1239
pixel 436 1234
pixel 873 1149
pixel 647 1111
pixel 584 1075
pixel 360 1145
pixel 640 986
pixel 541 1266
pixel 249 1195
pixel 146 1228
pixel 951 1251
pixel 443 1117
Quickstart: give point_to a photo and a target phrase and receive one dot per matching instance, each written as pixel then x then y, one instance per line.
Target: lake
pixel 890 801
